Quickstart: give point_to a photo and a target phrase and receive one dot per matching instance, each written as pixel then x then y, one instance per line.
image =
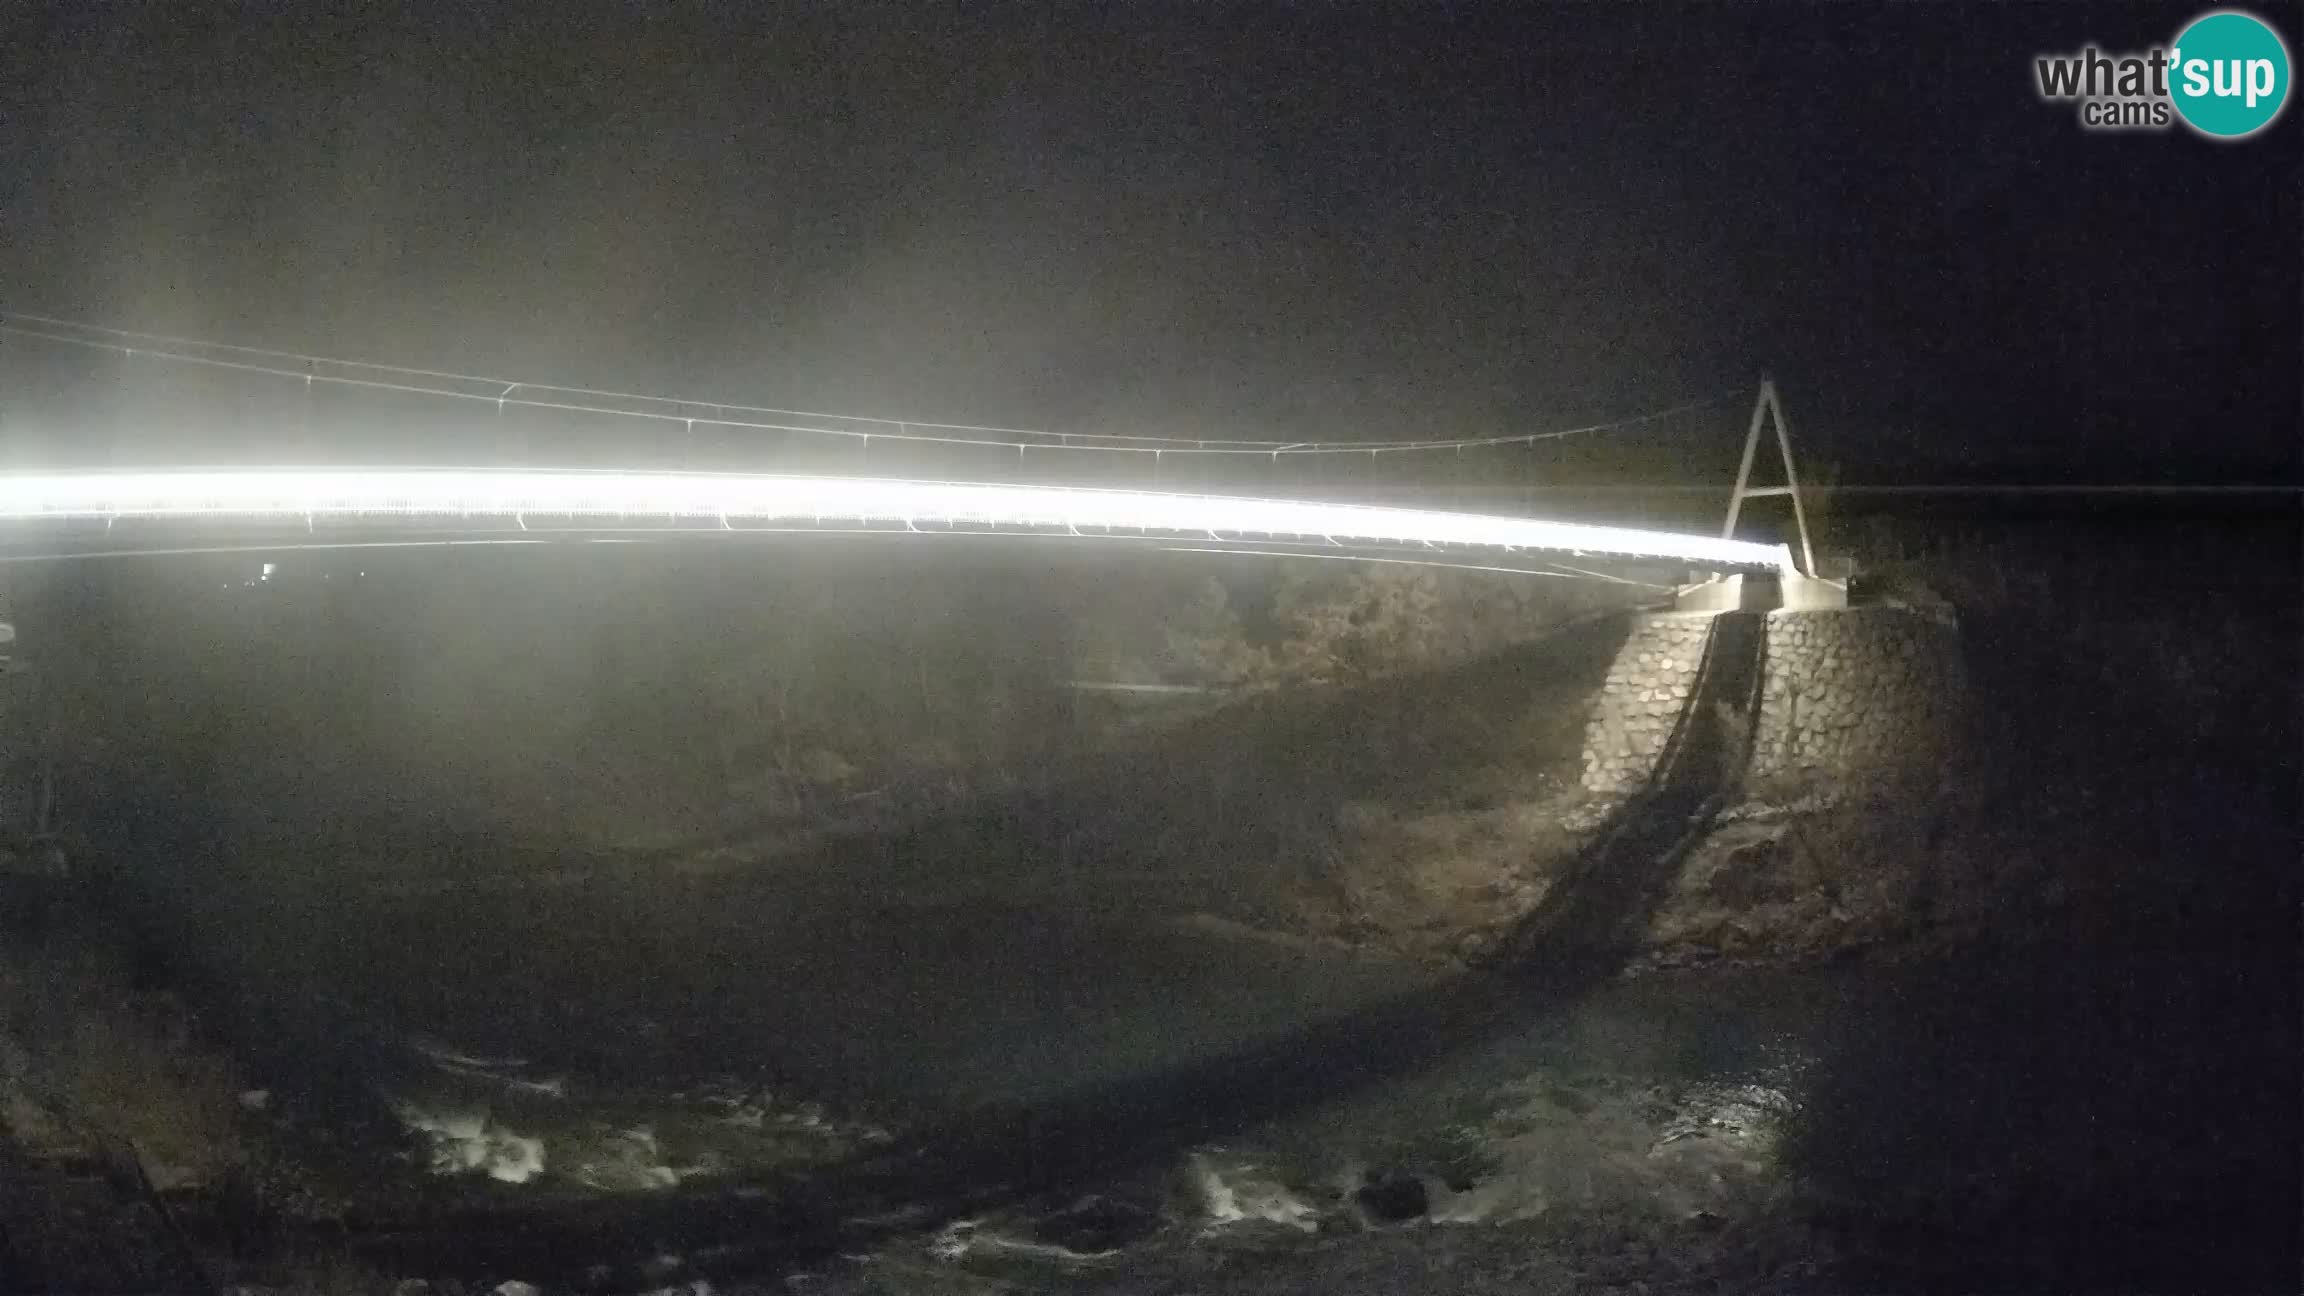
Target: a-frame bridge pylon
pixel 1766 408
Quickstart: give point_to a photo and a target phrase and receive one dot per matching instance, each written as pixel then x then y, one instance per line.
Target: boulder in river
pixel 1096 1224
pixel 1392 1197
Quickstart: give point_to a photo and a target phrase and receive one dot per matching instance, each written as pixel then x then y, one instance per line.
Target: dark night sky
pixel 1224 220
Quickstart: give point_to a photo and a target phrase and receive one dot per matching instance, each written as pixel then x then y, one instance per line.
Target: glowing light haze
pixel 285 494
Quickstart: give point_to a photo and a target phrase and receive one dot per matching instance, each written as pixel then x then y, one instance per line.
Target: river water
pixel 627 1084
pixel 1012 1095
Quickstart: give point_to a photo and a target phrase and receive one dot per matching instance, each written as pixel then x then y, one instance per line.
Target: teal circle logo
pixel 2228 74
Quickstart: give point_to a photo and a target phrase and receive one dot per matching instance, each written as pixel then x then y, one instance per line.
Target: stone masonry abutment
pixel 1850 696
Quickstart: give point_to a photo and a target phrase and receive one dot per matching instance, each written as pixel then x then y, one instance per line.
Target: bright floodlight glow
pixel 285 494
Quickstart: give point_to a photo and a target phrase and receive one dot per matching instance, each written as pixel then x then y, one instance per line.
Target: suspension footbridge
pixel 591 464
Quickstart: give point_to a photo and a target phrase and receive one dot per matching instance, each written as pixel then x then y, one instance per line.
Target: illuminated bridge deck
pixel 94 513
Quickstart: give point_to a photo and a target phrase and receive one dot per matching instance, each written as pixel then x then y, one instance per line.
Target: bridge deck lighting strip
pixel 285 494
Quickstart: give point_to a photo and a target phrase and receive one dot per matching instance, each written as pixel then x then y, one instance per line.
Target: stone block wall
pixel 1851 696
pixel 1647 687
pixel 1857 695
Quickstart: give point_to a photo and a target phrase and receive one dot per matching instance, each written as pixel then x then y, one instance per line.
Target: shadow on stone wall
pixel 1593 919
